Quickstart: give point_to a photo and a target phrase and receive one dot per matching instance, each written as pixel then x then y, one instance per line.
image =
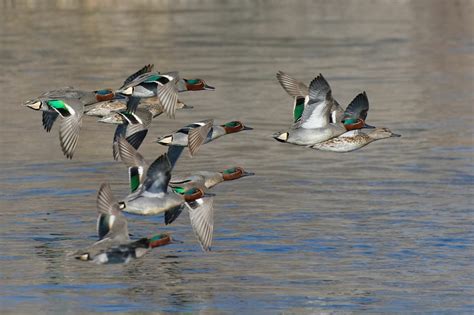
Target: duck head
pixel 235 173
pixel 104 95
pixel 197 85
pixel 191 194
pixel 382 133
pixel 352 124
pixel 235 126
pixel 159 240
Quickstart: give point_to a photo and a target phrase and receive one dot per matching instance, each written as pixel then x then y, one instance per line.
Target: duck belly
pixel 302 136
pixel 342 144
pixel 151 206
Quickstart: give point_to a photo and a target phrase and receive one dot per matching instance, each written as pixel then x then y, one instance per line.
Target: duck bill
pixel 245 173
pixel 247 128
pixel 184 106
pixel 208 195
pixel 394 135
pixel 209 88
pixel 368 126
pixel 34 105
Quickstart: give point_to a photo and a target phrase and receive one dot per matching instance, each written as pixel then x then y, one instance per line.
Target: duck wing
pixel 174 152
pixel 198 135
pixel 48 120
pixel 158 175
pixel 316 112
pixel 129 155
pixel 146 69
pixel 168 96
pixel 357 109
pixel 292 86
pixel 201 214
pixel 111 223
pixel 70 127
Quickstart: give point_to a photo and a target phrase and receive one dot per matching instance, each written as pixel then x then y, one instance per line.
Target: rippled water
pixel 388 228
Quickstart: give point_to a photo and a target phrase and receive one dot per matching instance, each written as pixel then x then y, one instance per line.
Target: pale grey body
pixel 146 203
pixel 315 124
pixel 302 136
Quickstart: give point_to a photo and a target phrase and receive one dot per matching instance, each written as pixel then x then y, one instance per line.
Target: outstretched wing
pixel 158 175
pixel 129 155
pixel 201 214
pixel 316 112
pixel 69 130
pixel 145 69
pixel 174 152
pixel 357 109
pixel 111 223
pixel 48 120
pixel 168 96
pixel 198 135
pixel 292 86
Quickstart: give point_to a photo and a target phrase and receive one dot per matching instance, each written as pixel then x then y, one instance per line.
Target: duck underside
pixel 342 144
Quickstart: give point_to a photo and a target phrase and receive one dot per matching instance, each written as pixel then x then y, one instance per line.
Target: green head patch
pixel 230 170
pixel 159 240
pixel 191 191
pixel 158 237
pixel 193 81
pixel 232 124
pixel 104 91
pixel 350 121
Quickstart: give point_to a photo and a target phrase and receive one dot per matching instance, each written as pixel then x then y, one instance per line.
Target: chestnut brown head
pixel 159 240
pixel 235 173
pixel 104 95
pixel 197 85
pixel 235 126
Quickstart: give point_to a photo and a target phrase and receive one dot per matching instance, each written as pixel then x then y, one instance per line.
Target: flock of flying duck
pixel 319 122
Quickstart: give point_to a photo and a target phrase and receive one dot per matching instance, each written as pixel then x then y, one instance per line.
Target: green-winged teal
pixel 153 196
pixel 195 134
pixel 207 179
pixel 354 139
pixel 114 245
pixel 317 116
